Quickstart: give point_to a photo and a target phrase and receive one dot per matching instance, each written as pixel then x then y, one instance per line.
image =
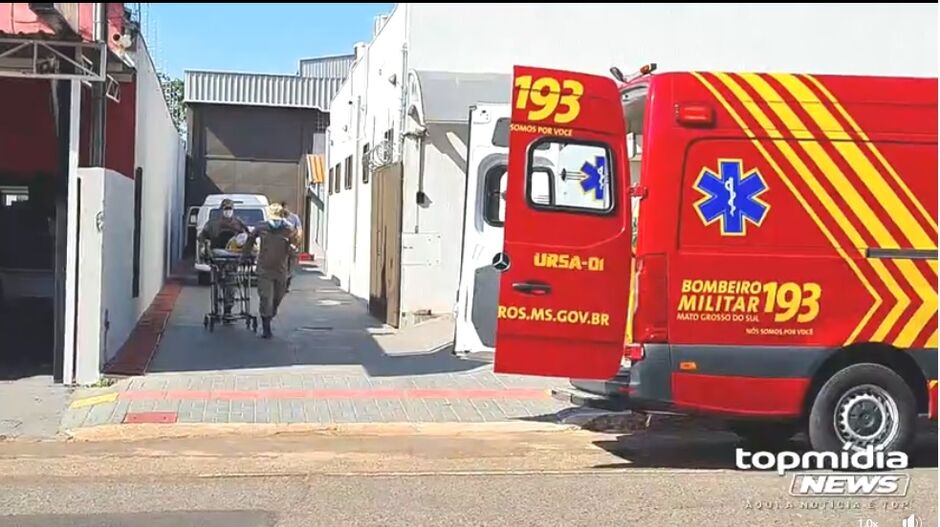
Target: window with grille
pixel 338 179
pixel 365 164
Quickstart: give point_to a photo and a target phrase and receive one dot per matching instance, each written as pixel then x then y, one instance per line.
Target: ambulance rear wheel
pixel 204 278
pixel 863 404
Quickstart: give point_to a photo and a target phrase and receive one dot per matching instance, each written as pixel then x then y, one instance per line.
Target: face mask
pixel 276 223
pixel 228 213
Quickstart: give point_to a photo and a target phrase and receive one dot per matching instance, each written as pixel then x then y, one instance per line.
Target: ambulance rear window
pixel 579 179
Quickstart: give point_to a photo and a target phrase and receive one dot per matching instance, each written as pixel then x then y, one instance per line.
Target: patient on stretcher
pixel 233 247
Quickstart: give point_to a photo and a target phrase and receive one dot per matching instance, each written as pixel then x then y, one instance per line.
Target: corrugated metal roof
pixel 257 89
pixel 333 67
pixel 447 96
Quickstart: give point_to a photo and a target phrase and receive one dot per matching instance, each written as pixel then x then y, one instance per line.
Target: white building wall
pixel 157 151
pixel 106 313
pixel 119 309
pixel 879 39
pixel 432 234
pixel 367 105
pixel 88 327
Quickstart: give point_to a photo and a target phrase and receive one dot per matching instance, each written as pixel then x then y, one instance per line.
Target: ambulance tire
pixel 763 433
pixel 870 384
pixel 204 278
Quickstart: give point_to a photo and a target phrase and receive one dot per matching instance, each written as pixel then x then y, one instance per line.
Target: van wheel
pixel 863 404
pixel 763 433
pixel 204 278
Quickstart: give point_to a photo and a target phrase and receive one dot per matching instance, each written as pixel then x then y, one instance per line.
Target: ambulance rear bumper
pixel 602 395
pixel 643 386
pixel 576 397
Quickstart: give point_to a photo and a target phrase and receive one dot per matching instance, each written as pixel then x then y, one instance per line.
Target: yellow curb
pixel 97 399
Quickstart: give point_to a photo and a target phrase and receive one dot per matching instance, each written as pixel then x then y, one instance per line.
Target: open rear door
pixel 487 165
pixel 565 265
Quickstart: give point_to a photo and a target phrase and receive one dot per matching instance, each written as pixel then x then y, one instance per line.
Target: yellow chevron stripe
pixel 874 150
pixel 927 309
pixel 850 150
pixel 874 181
pixel 802 201
pixel 844 188
pixel 932 340
pixel 901 299
pixel 822 160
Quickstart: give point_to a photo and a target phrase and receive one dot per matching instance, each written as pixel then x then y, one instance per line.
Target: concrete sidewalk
pixel 31 408
pixel 330 362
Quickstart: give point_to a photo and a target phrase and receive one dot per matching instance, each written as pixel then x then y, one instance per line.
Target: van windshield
pixel 251 217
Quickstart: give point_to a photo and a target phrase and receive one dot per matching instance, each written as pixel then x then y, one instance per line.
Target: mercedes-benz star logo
pixel 501 262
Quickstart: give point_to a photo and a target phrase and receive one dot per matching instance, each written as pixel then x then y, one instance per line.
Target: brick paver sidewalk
pixel 310 398
pixel 329 363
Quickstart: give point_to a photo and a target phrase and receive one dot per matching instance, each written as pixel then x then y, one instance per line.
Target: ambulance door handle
pixel 532 288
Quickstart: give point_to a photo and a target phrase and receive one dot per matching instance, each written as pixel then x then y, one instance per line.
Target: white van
pixel 250 208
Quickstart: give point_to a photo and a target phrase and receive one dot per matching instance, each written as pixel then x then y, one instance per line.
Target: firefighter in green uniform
pixel 277 237
pixel 216 234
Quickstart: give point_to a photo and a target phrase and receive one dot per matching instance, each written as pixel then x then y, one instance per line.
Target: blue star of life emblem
pixel 731 197
pixel 596 177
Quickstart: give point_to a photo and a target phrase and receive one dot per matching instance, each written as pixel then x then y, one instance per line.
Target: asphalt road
pixel 442 477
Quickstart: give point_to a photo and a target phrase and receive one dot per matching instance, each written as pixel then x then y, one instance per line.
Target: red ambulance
pixel 756 247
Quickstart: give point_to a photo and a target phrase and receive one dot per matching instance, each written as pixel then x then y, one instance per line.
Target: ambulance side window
pixel 494 192
pixel 580 179
pixel 494 196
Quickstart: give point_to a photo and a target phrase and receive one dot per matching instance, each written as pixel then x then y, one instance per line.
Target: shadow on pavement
pixel 27 348
pixel 318 325
pixel 703 448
